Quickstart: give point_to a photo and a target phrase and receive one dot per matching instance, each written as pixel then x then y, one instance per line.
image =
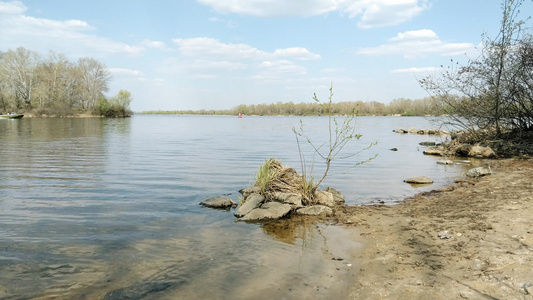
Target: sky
pixel 217 54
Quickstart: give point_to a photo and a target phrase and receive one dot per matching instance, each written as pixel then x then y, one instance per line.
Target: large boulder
pixel 289 198
pixel 324 198
pixel 338 197
pixel 219 202
pixel 252 202
pixel 479 172
pixel 315 210
pixel 267 211
pixel 419 180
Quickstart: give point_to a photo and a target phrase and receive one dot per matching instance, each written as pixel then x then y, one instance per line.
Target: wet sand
pixel 473 240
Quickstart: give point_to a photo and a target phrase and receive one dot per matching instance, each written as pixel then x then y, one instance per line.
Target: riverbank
pixel 473 240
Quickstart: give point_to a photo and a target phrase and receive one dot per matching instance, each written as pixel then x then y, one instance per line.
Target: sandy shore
pixel 469 241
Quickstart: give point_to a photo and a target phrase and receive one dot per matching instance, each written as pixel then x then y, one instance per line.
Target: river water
pixel 108 208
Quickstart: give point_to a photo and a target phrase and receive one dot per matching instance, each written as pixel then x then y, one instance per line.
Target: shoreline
pixel 472 240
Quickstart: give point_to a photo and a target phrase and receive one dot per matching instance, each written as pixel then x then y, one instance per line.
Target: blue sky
pixel 217 54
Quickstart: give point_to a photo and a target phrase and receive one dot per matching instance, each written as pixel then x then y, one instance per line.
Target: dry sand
pixel 473 240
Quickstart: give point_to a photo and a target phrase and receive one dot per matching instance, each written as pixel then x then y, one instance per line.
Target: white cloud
pixel 128 72
pixel 420 43
pixel 154 44
pixel 204 57
pixel 372 13
pixel 13 7
pixel 380 13
pixel 208 48
pixel 296 53
pixel 42 35
pixel 414 70
pixel 213 48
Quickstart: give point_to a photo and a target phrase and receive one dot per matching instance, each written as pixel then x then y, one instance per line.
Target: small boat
pixel 11 116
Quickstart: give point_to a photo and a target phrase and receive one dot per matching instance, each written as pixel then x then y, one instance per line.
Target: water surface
pixel 109 207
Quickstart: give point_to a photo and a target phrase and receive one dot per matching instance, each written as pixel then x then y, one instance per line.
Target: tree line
pixel 56 86
pixel 400 107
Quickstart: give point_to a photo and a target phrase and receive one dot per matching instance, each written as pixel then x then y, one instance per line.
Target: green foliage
pixel 492 93
pixel 53 85
pixel 341 133
pixel 117 106
pixel 265 175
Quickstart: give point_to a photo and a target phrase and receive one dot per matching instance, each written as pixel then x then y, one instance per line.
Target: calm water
pixel 94 208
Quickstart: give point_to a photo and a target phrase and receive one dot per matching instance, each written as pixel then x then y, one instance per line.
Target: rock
pixel 413 130
pixel 315 210
pixel 435 132
pixel 219 202
pixel 419 180
pixel 444 235
pixel 445 162
pixel 252 202
pixel 338 197
pixel 268 211
pixel 422 131
pixel 393 149
pixel 400 130
pixel 324 198
pixel 479 172
pixel 463 150
pixel 528 287
pixel 289 198
pixel 480 151
pixel 427 143
pixel 246 192
pixel 437 151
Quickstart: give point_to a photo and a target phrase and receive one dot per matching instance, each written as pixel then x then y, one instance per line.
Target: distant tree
pixel 17 76
pixel 94 81
pixel 117 106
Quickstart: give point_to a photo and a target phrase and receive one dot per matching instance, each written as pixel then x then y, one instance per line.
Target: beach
pixel 472 240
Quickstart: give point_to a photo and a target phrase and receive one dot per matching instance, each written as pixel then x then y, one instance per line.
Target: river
pixel 108 208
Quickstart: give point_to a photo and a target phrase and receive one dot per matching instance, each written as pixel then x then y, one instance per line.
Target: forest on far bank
pixel 402 107
pixel 56 86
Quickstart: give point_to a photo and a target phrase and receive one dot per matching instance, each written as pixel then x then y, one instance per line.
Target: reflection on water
pixel 108 208
pixel 291 230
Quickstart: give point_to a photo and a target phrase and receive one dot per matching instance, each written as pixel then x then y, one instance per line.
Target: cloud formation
pixel 372 13
pixel 72 36
pixel 203 57
pixel 416 44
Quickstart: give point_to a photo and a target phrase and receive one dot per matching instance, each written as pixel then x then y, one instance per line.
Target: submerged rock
pixel 427 143
pixel 419 180
pixel 315 210
pixel 445 162
pixel 252 202
pixel 268 211
pixel 219 202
